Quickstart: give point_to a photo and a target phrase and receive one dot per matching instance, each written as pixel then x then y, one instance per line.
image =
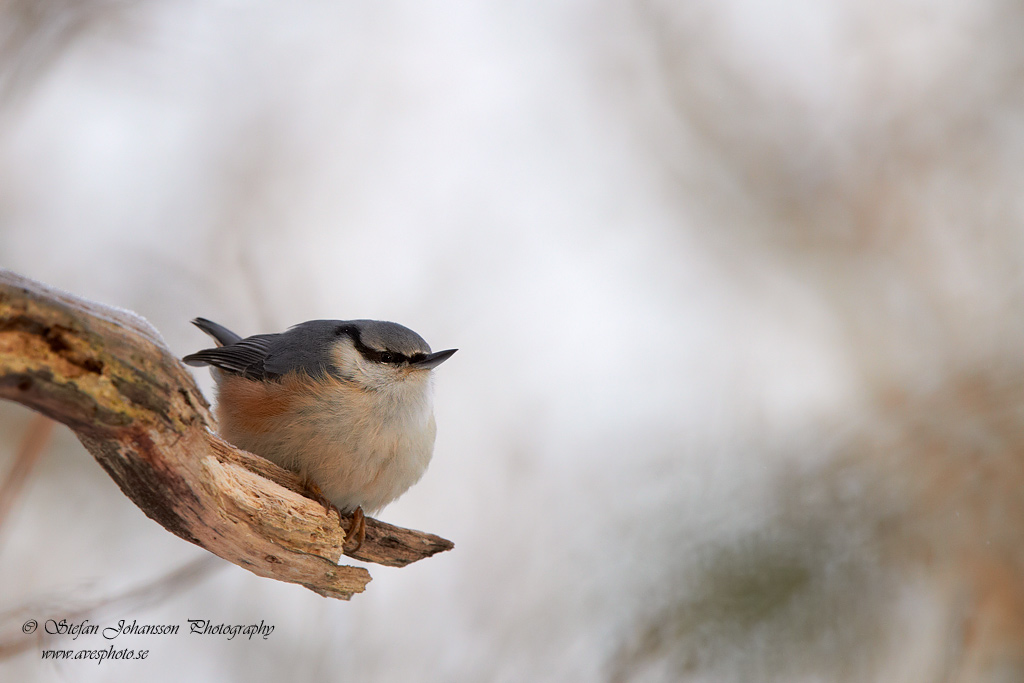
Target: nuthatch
pixel 344 403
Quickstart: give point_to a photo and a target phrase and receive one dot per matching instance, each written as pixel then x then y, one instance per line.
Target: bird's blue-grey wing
pixel 246 357
pixel 305 347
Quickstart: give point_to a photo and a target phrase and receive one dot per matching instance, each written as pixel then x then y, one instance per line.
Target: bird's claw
pixel 356 530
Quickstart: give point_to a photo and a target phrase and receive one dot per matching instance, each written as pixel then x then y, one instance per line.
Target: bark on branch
pixel 108 375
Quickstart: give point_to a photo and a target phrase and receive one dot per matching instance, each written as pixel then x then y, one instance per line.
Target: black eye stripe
pixel 389 357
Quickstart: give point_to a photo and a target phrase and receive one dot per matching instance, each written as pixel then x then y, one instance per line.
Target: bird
pixel 346 404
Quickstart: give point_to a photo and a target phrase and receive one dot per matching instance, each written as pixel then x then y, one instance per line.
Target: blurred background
pixel 737 288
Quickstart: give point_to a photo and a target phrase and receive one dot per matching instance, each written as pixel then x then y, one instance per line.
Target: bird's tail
pixel 222 335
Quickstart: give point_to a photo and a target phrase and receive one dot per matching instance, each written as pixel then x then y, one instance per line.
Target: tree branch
pixel 107 374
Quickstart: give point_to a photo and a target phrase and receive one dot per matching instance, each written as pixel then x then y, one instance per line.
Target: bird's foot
pixel 318 495
pixel 356 530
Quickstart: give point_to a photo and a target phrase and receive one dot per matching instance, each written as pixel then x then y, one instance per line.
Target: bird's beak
pixel 433 360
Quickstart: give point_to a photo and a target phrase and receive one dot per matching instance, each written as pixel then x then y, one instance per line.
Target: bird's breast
pixel 363 448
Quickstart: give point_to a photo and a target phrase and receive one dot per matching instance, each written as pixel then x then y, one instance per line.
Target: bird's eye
pixel 388 357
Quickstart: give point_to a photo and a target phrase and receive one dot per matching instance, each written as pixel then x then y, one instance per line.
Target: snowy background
pixel 738 289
